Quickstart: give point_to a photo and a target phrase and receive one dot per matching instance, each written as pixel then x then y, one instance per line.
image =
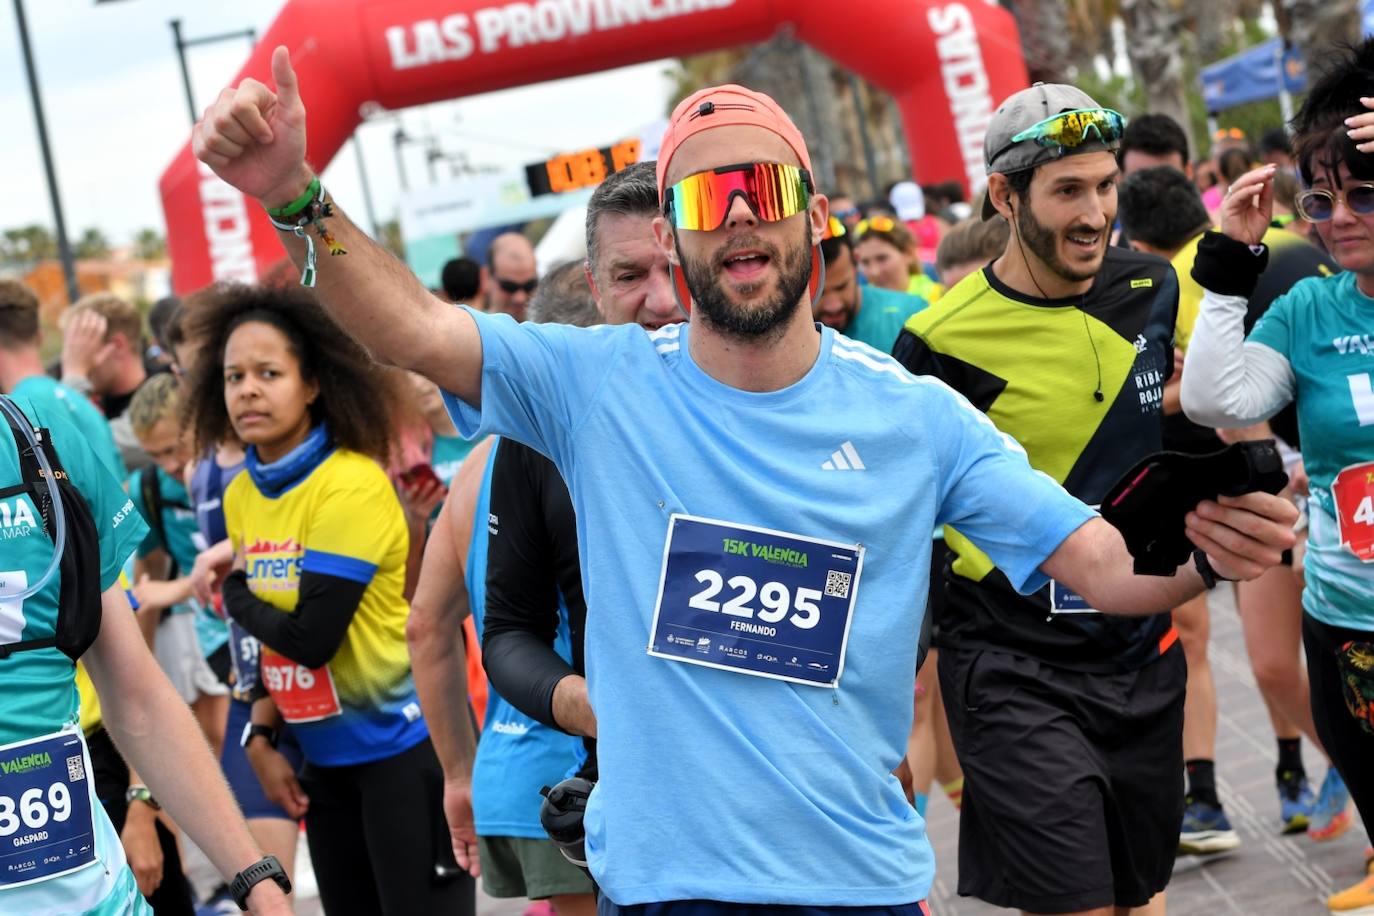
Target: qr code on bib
pixel 76 769
pixel 837 584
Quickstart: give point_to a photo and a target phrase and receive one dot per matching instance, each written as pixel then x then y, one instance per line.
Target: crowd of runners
pixel 734 539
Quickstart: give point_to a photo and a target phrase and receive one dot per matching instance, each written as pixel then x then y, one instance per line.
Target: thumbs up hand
pixel 254 138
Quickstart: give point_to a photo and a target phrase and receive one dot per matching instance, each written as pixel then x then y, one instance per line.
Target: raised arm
pixel 1231 382
pixel 254 139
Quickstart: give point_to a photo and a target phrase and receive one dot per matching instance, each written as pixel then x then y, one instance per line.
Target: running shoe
pixel 1206 831
pixel 1331 815
pixel 221 903
pixel 1357 900
pixel 1295 803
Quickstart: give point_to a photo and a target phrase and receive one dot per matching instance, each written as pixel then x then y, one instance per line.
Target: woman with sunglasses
pixel 1314 347
pixel 887 256
pixel 319 573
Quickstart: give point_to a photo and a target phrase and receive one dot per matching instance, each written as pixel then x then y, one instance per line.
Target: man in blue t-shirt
pixel 862 312
pixel 755 498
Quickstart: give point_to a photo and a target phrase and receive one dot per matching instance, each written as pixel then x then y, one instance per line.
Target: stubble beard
pixel 1044 243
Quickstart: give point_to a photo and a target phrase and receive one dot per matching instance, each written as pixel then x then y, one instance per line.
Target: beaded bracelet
pixel 310 209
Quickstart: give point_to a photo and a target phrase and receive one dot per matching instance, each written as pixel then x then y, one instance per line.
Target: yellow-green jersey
pixel 342 520
pixel 1079 383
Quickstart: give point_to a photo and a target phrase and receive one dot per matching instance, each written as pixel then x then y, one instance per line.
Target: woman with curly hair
pixel 320 547
pixel 1312 348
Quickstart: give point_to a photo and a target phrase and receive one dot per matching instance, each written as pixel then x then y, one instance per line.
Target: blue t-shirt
pixel 517 755
pixel 715 784
pixel 184 541
pixel 1324 327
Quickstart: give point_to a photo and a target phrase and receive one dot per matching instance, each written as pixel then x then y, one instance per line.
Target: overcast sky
pixel 117 113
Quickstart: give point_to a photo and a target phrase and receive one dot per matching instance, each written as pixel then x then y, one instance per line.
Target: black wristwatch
pixel 141 794
pixel 261 870
pixel 1210 577
pixel 252 730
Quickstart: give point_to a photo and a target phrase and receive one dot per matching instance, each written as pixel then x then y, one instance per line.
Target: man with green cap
pixel 1067 721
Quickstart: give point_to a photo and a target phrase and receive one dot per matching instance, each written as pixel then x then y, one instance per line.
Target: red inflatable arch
pixel 947 64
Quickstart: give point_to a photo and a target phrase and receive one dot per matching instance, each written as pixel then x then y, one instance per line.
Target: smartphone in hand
pixel 420 475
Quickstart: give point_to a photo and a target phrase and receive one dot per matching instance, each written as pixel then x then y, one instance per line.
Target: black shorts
pixel 1073 781
pixel 379 841
pixel 221 664
pixel 1343 703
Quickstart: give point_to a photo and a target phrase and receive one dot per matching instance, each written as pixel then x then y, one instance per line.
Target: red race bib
pixel 302 694
pixel 1353 490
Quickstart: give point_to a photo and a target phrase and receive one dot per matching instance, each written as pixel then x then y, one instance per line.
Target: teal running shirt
pixel 1324 327
pixel 49 394
pixel 39 696
pixel 882 313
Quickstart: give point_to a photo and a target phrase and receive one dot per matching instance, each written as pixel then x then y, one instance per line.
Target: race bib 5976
pixel 302 694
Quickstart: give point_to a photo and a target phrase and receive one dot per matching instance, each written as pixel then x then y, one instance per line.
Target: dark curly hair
pixel 353 397
pixel 1319 129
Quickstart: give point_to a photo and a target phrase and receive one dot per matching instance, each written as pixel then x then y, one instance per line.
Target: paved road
pixel 1269 873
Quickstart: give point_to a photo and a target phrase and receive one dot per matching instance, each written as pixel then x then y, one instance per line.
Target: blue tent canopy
pixel 1261 72
pixel 1257 73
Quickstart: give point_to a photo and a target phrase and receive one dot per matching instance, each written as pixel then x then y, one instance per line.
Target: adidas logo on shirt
pixel 846 458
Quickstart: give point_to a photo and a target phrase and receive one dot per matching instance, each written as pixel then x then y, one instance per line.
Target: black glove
pixel 561 816
pixel 1149 503
pixel 1228 267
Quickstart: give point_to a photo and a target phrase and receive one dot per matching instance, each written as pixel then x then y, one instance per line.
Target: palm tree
pixel 1318 27
pixel 1089 27
pixel 1214 25
pixel 149 245
pixel 822 100
pixel 92 244
pixel 1154 43
pixel 28 243
pixel 1045 38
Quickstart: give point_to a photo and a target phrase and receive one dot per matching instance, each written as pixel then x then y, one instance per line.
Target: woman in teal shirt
pixel 1314 347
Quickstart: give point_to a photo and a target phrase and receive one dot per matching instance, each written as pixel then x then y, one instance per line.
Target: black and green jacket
pixel 1078 382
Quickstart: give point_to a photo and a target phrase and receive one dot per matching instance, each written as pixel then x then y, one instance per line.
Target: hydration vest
pixel 78 608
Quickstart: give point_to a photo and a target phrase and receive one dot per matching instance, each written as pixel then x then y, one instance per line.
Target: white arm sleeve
pixel 1228 382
